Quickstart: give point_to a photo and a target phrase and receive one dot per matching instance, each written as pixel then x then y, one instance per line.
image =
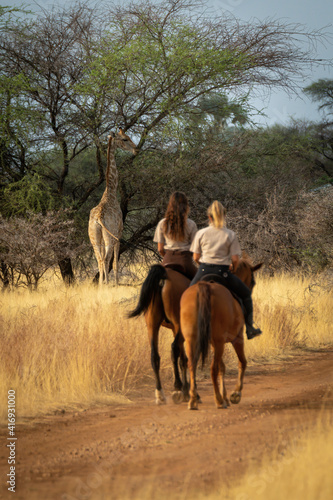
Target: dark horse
pixel 159 301
pixel 209 314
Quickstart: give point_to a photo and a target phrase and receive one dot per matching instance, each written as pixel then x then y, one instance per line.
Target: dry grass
pixel 300 470
pixel 69 347
pixel 292 311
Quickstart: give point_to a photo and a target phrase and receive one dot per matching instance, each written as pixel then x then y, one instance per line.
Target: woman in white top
pixel 174 235
pixel 217 251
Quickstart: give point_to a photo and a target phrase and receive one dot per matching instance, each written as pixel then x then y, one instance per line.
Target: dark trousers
pixel 232 282
pixel 180 260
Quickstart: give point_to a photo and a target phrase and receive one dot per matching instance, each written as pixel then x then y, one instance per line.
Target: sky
pixel 278 106
pixel 314 14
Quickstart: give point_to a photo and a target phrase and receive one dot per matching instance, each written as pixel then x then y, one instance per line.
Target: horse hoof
pixel 193 405
pixel 235 398
pixel 186 397
pixel 160 398
pixel 177 397
pixel 199 400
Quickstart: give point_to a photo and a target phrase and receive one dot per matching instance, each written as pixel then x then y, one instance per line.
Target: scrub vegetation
pixel 72 347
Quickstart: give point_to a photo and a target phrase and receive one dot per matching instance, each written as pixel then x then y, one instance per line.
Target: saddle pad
pixel 177 267
pixel 221 280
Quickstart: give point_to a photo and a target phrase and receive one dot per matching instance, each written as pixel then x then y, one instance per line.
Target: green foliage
pixel 322 92
pixel 312 258
pixel 30 194
pixel 154 70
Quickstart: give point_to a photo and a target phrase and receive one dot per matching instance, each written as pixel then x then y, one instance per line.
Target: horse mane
pixel 245 261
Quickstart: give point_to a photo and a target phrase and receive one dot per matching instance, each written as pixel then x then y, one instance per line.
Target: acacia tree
pixel 145 66
pixel 140 65
pixel 30 246
pixel 164 57
pixel 322 92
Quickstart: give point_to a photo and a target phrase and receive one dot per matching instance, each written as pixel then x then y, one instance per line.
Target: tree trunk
pixel 66 270
pixel 4 274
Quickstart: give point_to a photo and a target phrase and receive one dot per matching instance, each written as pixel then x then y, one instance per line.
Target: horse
pixel 159 301
pixel 210 314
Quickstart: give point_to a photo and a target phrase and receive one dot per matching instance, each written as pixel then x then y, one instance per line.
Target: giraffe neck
pixel 111 174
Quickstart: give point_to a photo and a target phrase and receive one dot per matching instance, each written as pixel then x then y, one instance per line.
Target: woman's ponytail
pixel 217 212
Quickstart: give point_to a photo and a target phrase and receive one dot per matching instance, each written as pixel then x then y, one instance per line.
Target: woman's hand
pixel 234 263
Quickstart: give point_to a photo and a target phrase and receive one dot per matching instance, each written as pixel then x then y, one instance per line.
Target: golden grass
pixel 292 311
pixel 302 470
pixel 72 346
pixel 69 347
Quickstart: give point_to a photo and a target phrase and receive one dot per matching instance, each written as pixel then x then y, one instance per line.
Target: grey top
pixel 216 245
pixel 169 243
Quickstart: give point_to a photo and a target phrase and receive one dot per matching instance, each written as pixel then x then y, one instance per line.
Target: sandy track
pixel 144 451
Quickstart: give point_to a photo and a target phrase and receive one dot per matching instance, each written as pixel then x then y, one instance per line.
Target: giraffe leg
pixel 106 263
pixel 115 261
pixel 103 274
pixel 96 240
pixel 109 247
pixel 100 262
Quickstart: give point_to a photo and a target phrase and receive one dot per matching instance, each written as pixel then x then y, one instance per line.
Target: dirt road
pixel 141 450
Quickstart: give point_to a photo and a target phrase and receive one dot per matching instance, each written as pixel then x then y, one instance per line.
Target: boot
pixel 251 331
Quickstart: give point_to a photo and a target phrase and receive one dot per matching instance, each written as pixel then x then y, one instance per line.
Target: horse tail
pixel 150 289
pixel 203 321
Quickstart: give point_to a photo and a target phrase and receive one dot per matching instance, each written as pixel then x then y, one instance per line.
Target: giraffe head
pixel 124 142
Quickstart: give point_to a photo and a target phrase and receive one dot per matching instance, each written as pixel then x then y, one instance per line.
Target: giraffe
pixel 106 219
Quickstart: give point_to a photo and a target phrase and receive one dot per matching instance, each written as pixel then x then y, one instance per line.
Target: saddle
pixel 222 280
pixel 177 267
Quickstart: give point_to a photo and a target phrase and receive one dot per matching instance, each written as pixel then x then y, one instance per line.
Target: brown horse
pixel 210 314
pixel 159 301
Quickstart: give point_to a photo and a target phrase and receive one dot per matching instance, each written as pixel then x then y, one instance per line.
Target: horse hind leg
pixel 238 345
pixel 183 367
pixel 155 361
pixel 223 387
pixel 153 325
pixel 217 368
pixel 193 402
pixel 181 386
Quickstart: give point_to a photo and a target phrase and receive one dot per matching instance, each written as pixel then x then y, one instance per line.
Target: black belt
pixel 221 266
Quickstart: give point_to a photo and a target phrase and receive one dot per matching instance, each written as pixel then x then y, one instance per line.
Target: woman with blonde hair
pixel 217 250
pixel 174 235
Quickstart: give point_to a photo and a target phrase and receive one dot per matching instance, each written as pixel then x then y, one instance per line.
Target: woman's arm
pixel 196 257
pixel 160 248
